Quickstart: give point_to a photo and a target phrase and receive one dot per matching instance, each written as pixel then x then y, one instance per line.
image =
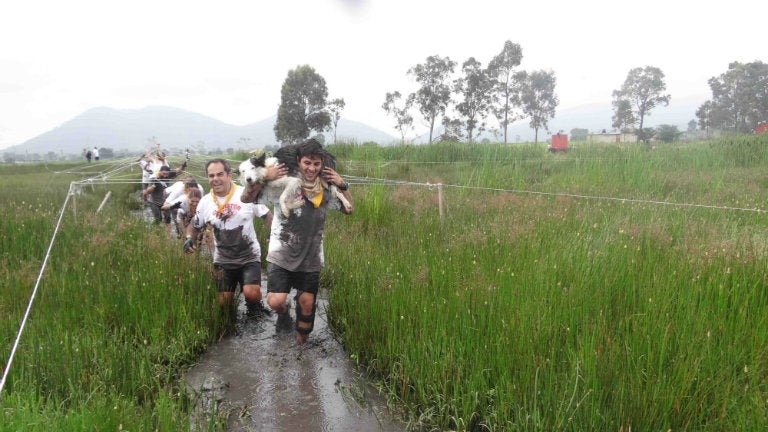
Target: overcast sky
pixel 227 59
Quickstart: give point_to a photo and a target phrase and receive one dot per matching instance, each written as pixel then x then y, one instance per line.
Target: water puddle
pixel 261 380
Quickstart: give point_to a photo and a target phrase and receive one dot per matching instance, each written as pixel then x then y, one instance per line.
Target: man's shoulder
pixel 206 200
pixel 237 196
pixel 205 206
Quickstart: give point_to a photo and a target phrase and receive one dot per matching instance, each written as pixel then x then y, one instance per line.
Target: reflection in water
pixel 276 385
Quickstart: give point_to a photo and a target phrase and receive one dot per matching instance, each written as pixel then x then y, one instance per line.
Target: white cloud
pixel 228 59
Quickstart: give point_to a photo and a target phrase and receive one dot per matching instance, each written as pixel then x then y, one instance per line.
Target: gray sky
pixel 228 59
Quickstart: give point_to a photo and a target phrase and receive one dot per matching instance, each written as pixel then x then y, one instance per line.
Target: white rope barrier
pixel 386 182
pixel 109 177
pixel 75 188
pixel 34 293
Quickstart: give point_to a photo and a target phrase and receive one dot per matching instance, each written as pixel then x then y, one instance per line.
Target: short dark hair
pixel 227 167
pixel 189 182
pixel 310 147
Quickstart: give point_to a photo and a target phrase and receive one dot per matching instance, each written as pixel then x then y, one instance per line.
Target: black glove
pixel 189 245
pixel 175 205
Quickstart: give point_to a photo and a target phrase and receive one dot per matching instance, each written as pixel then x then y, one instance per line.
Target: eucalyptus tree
pixel 538 98
pixel 506 80
pixel 303 106
pixel 434 96
pixel 401 113
pixel 703 113
pixel 692 126
pixel 668 133
pixel 475 87
pixel 335 107
pixel 623 116
pixel 579 134
pixel 739 98
pixel 642 91
pixel 452 129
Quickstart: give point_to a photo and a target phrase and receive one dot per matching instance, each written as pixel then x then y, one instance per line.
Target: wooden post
pixel 104 201
pixel 440 201
pixel 74 199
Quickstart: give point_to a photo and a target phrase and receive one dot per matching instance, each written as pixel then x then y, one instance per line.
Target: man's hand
pixel 332 177
pixel 275 172
pixel 189 245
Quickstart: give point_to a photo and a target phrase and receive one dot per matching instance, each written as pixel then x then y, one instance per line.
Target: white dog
pixel 285 191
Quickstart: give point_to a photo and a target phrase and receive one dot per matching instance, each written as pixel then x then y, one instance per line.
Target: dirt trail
pixel 269 383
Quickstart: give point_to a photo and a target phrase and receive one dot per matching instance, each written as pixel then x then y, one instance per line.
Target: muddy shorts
pixel 228 279
pixel 282 280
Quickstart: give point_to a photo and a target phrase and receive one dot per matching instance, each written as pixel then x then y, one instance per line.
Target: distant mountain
pixel 174 128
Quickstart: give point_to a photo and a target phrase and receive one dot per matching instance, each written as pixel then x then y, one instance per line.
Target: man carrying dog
pixel 154 194
pixel 237 253
pixel 295 255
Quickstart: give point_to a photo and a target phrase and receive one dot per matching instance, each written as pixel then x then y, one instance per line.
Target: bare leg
pixel 252 293
pixel 225 298
pixel 277 302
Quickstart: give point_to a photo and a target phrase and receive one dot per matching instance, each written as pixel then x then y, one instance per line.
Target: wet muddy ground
pixel 259 379
pixel 262 380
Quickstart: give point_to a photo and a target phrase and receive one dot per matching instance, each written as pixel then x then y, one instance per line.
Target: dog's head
pixel 251 170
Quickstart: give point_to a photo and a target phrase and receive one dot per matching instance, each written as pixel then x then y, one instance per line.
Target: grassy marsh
pixel 118 312
pixel 576 291
pixel 529 311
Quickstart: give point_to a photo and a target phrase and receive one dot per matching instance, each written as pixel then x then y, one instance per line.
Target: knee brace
pixel 308 319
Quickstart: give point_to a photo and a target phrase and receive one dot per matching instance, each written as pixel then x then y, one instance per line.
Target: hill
pixel 132 131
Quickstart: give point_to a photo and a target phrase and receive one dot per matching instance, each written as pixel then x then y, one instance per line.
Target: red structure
pixel 761 128
pixel 559 143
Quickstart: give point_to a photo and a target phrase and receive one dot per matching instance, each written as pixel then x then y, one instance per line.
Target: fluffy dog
pixel 283 191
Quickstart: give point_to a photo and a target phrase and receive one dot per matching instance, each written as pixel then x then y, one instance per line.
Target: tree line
pixel 464 104
pixel 739 101
pixel 498 90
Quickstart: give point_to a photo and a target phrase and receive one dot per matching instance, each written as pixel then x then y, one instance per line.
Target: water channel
pixel 262 380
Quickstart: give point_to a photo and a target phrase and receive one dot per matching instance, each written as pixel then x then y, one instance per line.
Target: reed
pixel 609 288
pixel 118 314
pixel 531 311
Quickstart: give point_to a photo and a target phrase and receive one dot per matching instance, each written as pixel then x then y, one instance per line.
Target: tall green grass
pixel 119 311
pixel 536 304
pixel 525 311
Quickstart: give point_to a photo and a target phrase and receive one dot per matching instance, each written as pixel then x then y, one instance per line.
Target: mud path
pixel 266 382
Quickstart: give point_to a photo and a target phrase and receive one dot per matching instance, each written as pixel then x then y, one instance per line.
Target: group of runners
pixel 228 211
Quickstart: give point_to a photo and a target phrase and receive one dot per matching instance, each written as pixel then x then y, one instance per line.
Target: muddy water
pixel 263 381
